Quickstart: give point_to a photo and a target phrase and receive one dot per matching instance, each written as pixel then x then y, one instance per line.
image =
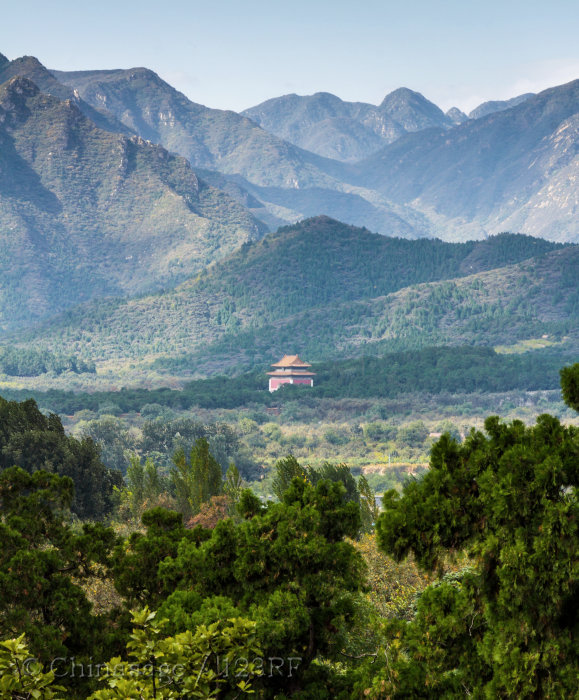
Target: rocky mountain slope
pixel 31 68
pixel 85 212
pixel 285 183
pixel 444 175
pixel 515 170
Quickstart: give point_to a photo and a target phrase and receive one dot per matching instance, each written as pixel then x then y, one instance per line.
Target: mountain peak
pixel 3 60
pixel 456 115
pixel 404 94
pixel 19 86
pixel 412 110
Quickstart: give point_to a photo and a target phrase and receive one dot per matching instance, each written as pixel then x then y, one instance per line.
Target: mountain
pixel 287 183
pixel 441 175
pixel 487 108
pixel 456 116
pixel 346 131
pixel 413 111
pixel 334 287
pixel 515 169
pixel 31 68
pixel 85 212
pixel 208 138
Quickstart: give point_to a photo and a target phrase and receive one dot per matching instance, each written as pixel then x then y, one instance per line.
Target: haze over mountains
pixel 85 212
pixel 294 167
pixel 112 183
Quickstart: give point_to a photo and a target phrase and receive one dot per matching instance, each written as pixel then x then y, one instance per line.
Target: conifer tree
pixel 508 626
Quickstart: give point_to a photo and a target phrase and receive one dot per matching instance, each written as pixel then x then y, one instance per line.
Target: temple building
pixel 290 370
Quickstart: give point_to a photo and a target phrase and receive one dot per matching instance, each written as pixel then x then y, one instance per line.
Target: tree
pixel 337 473
pixel 32 441
pixel 286 470
pixel 369 509
pixel 287 567
pixel 203 663
pixel 233 485
pixel 197 481
pixel 144 486
pixel 42 564
pixel 507 627
pixel 21 679
pixel 570 385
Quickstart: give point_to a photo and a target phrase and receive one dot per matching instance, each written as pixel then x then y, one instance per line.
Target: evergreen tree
pixel 508 627
pixel 196 481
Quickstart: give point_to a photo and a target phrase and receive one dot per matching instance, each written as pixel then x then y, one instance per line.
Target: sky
pixel 234 54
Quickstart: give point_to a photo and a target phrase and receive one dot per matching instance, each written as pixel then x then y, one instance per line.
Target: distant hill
pixel 329 289
pixel 85 212
pixel 346 131
pixel 487 108
pixel 514 169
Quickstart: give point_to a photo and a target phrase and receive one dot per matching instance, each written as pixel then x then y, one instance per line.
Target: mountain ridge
pixel 333 128
pixel 489 172
pixel 86 212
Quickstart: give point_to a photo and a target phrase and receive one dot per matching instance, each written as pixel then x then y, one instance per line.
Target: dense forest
pixel 21 362
pixel 332 290
pixel 188 585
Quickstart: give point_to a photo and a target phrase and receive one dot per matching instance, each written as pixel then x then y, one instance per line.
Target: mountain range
pixel 348 131
pixel 509 165
pixel 118 192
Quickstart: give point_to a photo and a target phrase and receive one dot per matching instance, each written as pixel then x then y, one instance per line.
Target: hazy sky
pixel 234 54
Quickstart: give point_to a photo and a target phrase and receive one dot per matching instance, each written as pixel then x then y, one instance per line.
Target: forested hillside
pixel 331 289
pixel 427 372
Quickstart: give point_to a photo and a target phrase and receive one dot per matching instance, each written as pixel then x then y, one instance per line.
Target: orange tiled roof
pixel 294 372
pixel 291 361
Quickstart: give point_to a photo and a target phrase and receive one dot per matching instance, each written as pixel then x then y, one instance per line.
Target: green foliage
pixel 197 481
pixel 32 441
pixel 390 295
pixel 570 385
pixel 287 568
pixel 510 498
pixel 380 431
pixel 136 562
pixel 286 470
pixel 337 473
pixel 369 509
pixel 144 485
pixel 21 677
pixel 414 434
pixel 198 663
pixel 112 435
pixel 42 562
pixel 233 484
pixel 26 362
pixel 432 370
